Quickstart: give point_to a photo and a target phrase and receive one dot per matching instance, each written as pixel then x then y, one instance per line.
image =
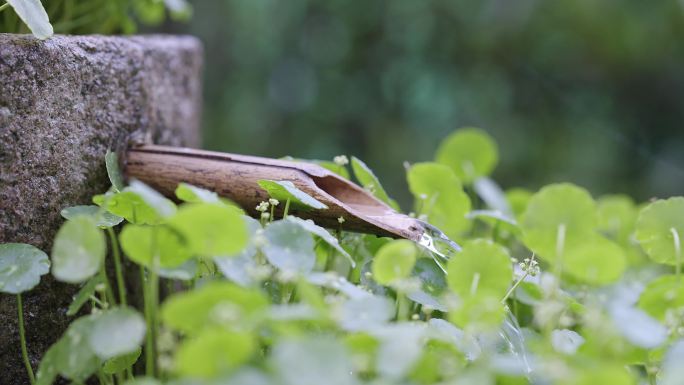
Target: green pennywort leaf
pixel 211 229
pixel 470 152
pixel 102 218
pixel 149 246
pixel 116 332
pixel 21 267
pixel 193 194
pixel 370 182
pixel 284 190
pixel 78 251
pixel 481 267
pixel 394 261
pixel 289 247
pixel 660 230
pixel 113 170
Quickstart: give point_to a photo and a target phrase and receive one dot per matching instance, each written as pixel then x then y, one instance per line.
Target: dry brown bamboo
pixel 236 177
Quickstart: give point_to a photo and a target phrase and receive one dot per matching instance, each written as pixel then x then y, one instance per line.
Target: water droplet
pixel 438 243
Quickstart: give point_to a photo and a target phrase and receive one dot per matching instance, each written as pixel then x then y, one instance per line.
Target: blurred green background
pixel 585 91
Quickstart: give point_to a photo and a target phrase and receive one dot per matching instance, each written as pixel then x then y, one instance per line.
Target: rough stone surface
pixel 63 103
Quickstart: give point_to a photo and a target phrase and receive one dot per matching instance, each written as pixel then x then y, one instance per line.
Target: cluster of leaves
pixel 551 287
pixel 93 16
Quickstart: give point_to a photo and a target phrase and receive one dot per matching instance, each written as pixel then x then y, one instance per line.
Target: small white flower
pixel 340 220
pixel 274 202
pixel 100 287
pixel 263 207
pixel 341 160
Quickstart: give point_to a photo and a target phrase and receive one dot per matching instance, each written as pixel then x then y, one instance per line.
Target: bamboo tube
pixel 236 177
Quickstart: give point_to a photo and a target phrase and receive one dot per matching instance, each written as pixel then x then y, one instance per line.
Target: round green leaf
pixel 78 251
pixel 74 358
pixel 440 196
pixel 470 152
pixel 432 284
pixel 115 332
pixel 596 261
pixel 313 361
pixel 661 295
pixel 144 243
pixel 215 303
pixel 481 267
pixel 289 247
pixel 114 171
pixel 394 261
pixel 284 190
pixel 518 198
pixel 617 216
pixel 214 352
pixel 21 266
pixel 660 230
pixel 193 194
pixel 482 311
pixel 211 229
pixel 558 213
pixel 102 218
pixel 323 234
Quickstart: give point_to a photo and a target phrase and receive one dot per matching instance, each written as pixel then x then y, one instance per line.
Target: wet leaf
pixel 74 358
pixel 193 194
pixel 78 251
pixel 370 182
pixel 113 170
pixel 34 16
pixel 566 341
pixel 481 267
pixel 596 261
pixel 142 244
pixel 21 267
pixel 313 361
pixel 470 152
pixel 432 284
pixel 617 217
pixel 214 352
pixel 323 234
pixel 284 190
pixel 184 272
pixel 365 313
pixel 440 196
pixel 101 217
pixel 660 230
pixel 289 247
pixel 214 303
pixel 637 327
pixel 479 312
pixel 559 216
pixel 139 204
pixel 115 332
pixel 211 229
pixel 394 261
pixel 240 267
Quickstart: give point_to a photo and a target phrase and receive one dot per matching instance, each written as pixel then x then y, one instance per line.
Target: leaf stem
pixel 149 340
pixel 116 252
pixel 515 286
pixel 287 208
pixel 22 338
pixel 109 294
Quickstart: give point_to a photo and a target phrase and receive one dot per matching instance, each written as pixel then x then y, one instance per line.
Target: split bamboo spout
pixel 236 177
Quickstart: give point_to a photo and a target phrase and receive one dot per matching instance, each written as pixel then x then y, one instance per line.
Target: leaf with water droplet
pixel 289 247
pixel 32 13
pixel 211 229
pixel 312 361
pixel 142 244
pixel 663 294
pixel 432 284
pixel 400 348
pixel 284 190
pixel 78 251
pixel 215 303
pixel 102 218
pixel 482 266
pixel 323 234
pixel 596 261
pixel 21 267
pixel 214 352
pixel 83 295
pixel 440 196
pixel 660 230
pixel 482 311
pixel 113 170
pixel 364 313
pixel 193 194
pixel 115 332
pixel 394 261
pixel 120 363
pixel 370 182
pixel 557 213
pixel 470 152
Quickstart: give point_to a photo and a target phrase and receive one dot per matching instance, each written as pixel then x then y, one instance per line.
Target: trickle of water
pixel 438 243
pixel 511 333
